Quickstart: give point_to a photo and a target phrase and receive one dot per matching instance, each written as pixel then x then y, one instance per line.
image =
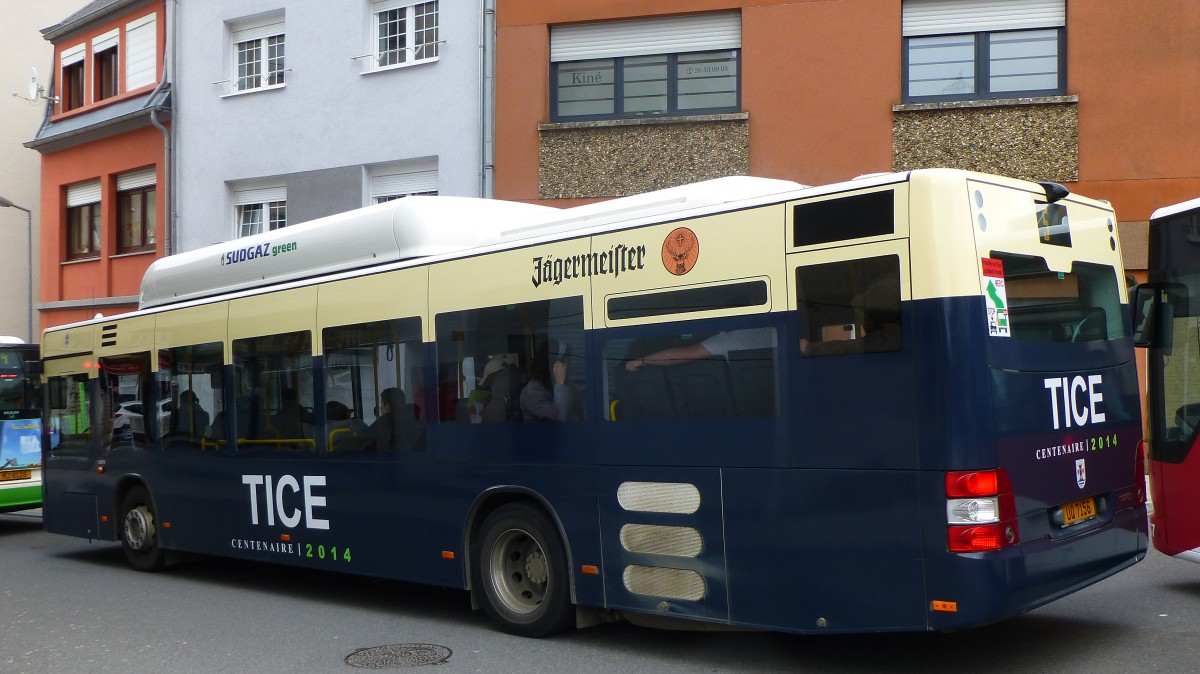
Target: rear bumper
pixel 987 587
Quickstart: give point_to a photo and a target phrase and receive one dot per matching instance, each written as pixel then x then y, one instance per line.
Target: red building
pixel 105 151
pixel 592 96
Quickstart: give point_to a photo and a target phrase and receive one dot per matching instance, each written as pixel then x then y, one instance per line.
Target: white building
pixel 20 174
pixel 289 110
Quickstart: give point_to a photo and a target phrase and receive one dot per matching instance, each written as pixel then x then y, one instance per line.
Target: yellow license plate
pixel 7 475
pixel 1078 511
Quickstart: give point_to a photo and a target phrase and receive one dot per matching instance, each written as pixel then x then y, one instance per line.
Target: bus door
pixel 70 503
pixel 1173 406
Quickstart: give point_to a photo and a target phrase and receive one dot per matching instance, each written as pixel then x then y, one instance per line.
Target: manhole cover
pixel 395 656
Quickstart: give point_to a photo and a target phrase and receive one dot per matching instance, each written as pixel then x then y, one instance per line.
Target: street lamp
pixel 5 203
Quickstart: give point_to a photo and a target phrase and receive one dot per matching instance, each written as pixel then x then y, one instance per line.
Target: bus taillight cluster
pixel 981 514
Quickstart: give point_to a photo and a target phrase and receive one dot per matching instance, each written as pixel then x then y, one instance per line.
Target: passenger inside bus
pixel 503 382
pixel 720 344
pixel 548 396
pixel 397 427
pixel 189 419
pixel 290 420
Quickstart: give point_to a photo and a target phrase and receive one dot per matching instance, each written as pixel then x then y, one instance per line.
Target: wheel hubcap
pixel 519 571
pixel 139 528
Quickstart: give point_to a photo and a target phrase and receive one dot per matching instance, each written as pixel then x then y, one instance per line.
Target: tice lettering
pixel 278 496
pixel 1080 398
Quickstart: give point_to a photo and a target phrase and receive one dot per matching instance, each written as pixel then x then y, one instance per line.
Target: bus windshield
pixel 20 430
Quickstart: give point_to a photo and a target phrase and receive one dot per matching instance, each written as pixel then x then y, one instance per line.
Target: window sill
pixel 102 103
pixel 400 66
pixel 273 87
pixel 986 103
pixel 80 260
pixel 133 253
pixel 645 121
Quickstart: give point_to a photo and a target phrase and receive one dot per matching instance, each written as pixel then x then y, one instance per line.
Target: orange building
pixel 104 158
pixel 603 98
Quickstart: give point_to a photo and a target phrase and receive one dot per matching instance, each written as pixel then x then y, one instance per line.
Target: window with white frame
pixel 972 50
pixel 259 208
pixel 137 210
pixel 258 53
pixel 678 65
pixel 71 63
pixel 396 181
pixel 83 220
pixel 404 32
pixel 105 65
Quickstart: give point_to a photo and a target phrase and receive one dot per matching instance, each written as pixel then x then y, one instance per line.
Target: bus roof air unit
pixel 409 228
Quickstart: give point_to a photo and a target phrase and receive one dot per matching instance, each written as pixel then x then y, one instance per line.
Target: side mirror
pixel 1154 308
pixel 58 393
pixel 34 367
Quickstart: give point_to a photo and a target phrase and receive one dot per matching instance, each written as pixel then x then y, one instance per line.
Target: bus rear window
pixel 1083 305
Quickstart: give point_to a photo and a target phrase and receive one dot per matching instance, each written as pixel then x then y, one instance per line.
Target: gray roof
pixel 93 11
pixel 109 120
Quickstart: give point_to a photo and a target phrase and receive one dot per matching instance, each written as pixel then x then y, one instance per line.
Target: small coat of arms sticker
pixel 680 251
pixel 1080 473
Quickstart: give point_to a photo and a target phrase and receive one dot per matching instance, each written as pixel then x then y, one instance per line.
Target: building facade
pixel 26 73
pixel 603 98
pixel 290 110
pixel 103 145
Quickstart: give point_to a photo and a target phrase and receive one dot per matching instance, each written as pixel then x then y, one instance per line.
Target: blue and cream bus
pixel 20 426
pixel 902 402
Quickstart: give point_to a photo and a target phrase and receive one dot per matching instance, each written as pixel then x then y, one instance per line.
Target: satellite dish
pixel 34 89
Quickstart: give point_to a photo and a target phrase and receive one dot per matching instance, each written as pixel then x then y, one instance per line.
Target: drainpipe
pixel 487 67
pixel 168 154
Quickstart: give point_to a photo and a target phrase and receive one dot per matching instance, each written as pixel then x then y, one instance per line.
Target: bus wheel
pixel 522 568
pixel 139 531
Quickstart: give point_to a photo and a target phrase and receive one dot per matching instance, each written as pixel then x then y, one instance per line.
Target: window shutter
pixel 83 193
pixel 403 183
pixel 72 55
pixel 638 37
pixel 258 29
pixel 105 41
pixel 260 195
pixel 135 179
pixel 141 52
pixel 936 17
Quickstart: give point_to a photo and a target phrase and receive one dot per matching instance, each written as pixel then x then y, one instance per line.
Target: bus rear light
pixel 972 511
pixel 981 512
pixel 982 538
pixel 968 483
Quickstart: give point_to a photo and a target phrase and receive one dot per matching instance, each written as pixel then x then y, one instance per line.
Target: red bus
pixel 1168 327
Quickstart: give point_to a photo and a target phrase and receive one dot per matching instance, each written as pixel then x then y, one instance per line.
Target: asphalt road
pixel 67 605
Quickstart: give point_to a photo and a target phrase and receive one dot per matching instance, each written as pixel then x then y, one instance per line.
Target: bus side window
pixel 70 426
pixel 190 395
pixel 512 363
pixel 273 393
pixel 127 402
pixel 850 307
pixel 374 387
pixel 718 374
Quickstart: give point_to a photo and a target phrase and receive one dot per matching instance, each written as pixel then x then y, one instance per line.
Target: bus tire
pixel 522 568
pixel 139 531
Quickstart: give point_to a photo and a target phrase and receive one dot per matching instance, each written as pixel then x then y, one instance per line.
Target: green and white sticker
pixel 994 297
